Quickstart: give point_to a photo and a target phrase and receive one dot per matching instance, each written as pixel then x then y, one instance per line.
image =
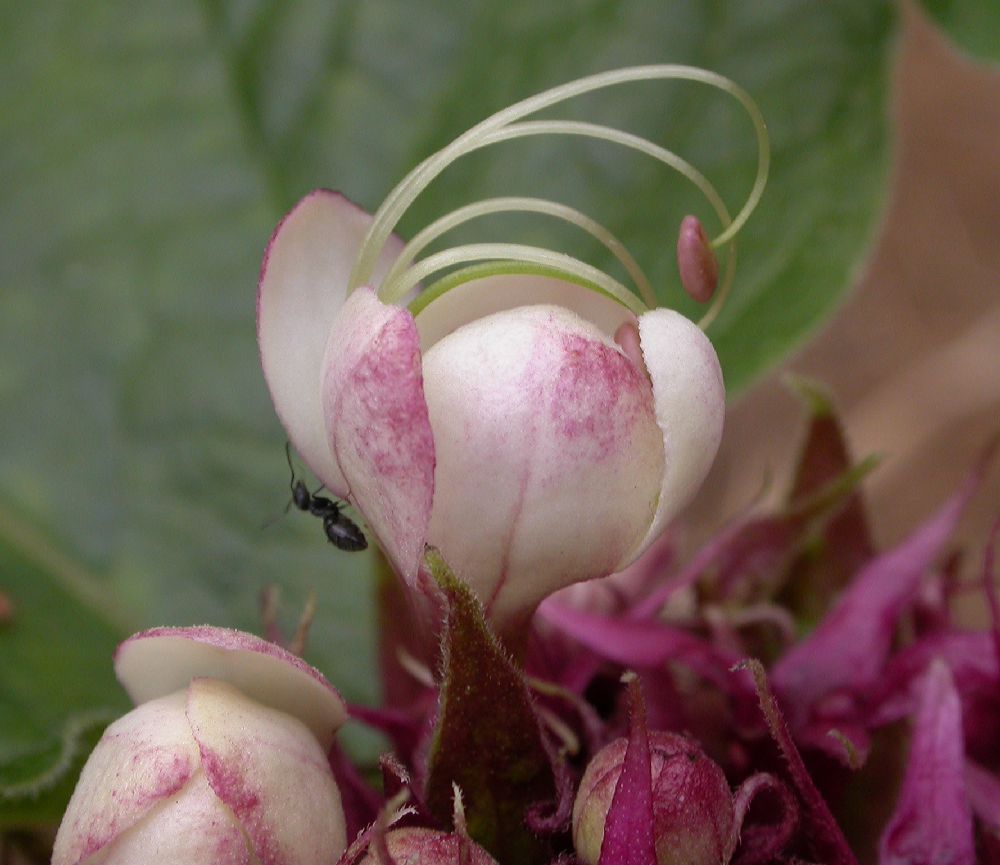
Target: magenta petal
pixel 969 654
pixel 628 831
pixel 932 822
pixel 849 647
pixel 641 642
pixel 983 789
pixel 377 423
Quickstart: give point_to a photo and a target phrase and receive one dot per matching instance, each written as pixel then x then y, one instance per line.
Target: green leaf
pixel 56 683
pixel 35 787
pixel 973 24
pixel 147 150
pixel 496 758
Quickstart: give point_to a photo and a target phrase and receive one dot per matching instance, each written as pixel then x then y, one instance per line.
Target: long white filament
pixel 503 126
pixel 513 204
pixel 532 255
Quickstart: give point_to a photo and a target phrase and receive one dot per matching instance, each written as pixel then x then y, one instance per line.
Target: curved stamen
pixel 517 205
pixel 493 128
pixel 475 272
pixel 634 142
pixel 625 139
pixel 517 253
pixel 614 136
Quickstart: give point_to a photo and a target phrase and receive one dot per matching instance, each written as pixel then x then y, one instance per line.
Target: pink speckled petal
pixel 549 456
pixel 690 403
pixel 163 660
pixel 271 772
pixel 498 293
pixel 377 423
pixel 192 828
pixel 933 822
pixel 143 758
pixel 303 285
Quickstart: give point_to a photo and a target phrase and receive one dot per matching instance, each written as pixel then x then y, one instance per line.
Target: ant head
pixel 300 492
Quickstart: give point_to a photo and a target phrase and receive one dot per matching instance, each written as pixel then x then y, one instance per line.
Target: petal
pixel 628 831
pixel 141 759
pixel 377 423
pixel 163 660
pixel 548 454
pixel 498 293
pixel 303 285
pixel 933 821
pixel 271 772
pixel 983 788
pixel 690 401
pixel 191 828
pixel 642 643
pixel 849 647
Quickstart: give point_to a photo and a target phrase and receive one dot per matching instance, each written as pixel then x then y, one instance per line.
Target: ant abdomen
pixel 341 531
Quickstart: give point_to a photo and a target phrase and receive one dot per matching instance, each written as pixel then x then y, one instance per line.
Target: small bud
pixel 222 762
pixel 692 802
pixel 696 261
pixel 427 847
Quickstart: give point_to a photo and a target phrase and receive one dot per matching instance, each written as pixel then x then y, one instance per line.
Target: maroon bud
pixel 427 847
pixel 696 261
pixel 692 803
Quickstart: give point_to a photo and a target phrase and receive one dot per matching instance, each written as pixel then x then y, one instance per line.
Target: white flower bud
pixel 207 773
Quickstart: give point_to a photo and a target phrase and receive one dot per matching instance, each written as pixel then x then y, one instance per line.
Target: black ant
pixel 341 531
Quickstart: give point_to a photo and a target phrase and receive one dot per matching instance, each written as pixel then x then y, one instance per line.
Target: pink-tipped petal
pixel 163 660
pixel 848 649
pixel 983 789
pixel 493 294
pixel 271 773
pixel 142 759
pixel 932 822
pixel 377 423
pixel 303 285
pixel 548 454
pixel 193 827
pixel 690 401
pixel 628 837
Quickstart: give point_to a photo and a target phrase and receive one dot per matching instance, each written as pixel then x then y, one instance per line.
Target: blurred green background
pixel 148 148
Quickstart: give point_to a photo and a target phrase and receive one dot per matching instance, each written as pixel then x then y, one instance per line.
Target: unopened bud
pixel 692 803
pixel 427 847
pixel 696 261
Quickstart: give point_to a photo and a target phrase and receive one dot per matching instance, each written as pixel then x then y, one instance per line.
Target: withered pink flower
pixel 528 415
pixel 222 762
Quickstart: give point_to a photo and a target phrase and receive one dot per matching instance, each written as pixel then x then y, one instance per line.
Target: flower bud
pixel 428 847
pixel 228 768
pixel 692 802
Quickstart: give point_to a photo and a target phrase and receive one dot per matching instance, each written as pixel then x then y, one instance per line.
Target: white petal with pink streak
pixel 192 827
pixel 548 454
pixel 142 759
pixel 163 660
pixel 271 773
pixel 690 403
pixel 303 285
pixel 378 426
